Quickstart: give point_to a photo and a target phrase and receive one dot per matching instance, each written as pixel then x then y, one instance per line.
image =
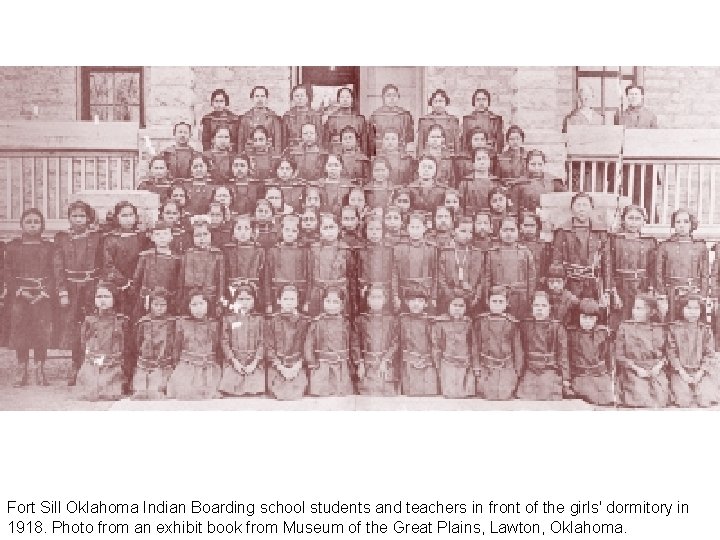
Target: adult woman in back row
pixel 390 116
pixel 483 118
pixel 220 115
pixel 341 118
pixel 438 102
pixel 300 114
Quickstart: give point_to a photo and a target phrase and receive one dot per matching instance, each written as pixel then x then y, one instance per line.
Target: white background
pixel 371 457
pixel 627 456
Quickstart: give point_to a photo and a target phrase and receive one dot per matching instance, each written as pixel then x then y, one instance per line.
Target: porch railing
pixel 43 163
pixel 659 169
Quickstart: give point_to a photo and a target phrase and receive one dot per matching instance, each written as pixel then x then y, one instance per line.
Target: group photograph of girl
pixel 390 259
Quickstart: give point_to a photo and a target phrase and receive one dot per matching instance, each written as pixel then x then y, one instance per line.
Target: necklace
pixel 461 265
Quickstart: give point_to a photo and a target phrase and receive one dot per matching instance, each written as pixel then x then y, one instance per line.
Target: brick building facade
pixel 536 98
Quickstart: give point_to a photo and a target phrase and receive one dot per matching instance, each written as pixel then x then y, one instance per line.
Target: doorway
pixel 325 82
pixel 367 83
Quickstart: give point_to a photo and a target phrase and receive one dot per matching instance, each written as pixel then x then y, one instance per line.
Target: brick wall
pixel 168 95
pixel 536 98
pixel 683 97
pixel 172 93
pixel 176 93
pixel 542 96
pixel 52 89
pixel 533 97
pixel 238 81
pixel 461 82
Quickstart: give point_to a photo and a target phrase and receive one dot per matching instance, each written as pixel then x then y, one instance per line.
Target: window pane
pixel 103 112
pixel 100 88
pixel 614 82
pixel 127 88
pixel 590 68
pixel 624 84
pixel 327 94
pixel 112 94
pixel 127 113
pixel 612 93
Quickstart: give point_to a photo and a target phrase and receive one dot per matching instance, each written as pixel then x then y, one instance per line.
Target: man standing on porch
pixel 636 115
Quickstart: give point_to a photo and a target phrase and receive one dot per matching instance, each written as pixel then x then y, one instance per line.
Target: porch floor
pixel 58 397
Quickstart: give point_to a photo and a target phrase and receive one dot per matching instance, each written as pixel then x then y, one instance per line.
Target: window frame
pixel 85 72
pixel 604 75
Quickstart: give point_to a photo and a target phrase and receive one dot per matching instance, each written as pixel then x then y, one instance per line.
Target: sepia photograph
pixel 464 284
pixel 359 237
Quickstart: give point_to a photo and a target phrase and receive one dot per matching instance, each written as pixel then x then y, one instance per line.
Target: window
pixel 608 84
pixel 113 94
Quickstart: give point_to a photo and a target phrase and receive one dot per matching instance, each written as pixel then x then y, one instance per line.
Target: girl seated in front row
pixel 376 344
pixel 196 352
pixel 589 350
pixel 641 358
pixel 327 348
pixel 546 371
pixel 451 348
pixel 286 330
pixel 103 338
pixel 419 374
pixel 497 349
pixel 154 335
pixel 242 345
pixel 694 368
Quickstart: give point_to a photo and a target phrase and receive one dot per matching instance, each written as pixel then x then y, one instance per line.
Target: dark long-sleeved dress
pixel 31 267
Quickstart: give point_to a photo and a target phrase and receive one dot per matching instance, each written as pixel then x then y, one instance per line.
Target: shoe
pixel 72 376
pixel 40 378
pixel 21 378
